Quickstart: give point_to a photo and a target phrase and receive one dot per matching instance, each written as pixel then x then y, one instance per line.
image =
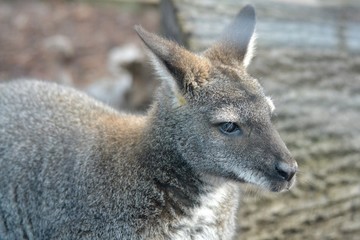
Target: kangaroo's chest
pixel 214 219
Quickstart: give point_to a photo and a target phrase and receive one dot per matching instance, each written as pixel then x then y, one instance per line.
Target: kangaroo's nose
pixel 285 170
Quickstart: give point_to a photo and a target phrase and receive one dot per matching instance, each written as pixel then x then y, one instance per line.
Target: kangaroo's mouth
pixel 281 187
pixel 267 182
pixel 275 186
pixel 272 183
pixel 278 185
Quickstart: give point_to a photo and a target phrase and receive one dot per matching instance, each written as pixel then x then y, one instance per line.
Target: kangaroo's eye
pixel 230 128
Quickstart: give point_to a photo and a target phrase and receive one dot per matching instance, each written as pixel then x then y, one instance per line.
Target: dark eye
pixel 230 128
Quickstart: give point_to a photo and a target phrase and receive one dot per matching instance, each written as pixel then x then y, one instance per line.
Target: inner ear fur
pixel 236 45
pixel 189 70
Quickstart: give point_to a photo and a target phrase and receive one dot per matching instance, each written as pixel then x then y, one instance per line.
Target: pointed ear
pixel 174 63
pixel 237 42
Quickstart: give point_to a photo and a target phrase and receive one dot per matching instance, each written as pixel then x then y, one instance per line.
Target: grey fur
pixel 73 168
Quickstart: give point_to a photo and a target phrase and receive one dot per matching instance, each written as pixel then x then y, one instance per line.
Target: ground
pixel 317 94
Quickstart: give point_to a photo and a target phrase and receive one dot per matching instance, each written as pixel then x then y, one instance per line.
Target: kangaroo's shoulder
pixel 40 91
pixel 63 105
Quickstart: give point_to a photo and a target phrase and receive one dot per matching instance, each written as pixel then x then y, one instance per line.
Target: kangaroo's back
pixel 54 158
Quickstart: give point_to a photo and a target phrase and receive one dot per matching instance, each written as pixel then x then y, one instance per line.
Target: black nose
pixel 285 170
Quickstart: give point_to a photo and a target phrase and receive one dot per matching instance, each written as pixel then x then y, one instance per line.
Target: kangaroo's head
pixel 219 116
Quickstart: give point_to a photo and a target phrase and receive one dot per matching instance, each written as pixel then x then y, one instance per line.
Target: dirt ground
pixel 317 94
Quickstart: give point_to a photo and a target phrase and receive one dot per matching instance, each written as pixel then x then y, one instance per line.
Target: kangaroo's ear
pixel 237 42
pixel 187 70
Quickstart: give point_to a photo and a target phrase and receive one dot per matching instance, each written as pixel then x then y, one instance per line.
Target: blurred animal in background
pixel 112 91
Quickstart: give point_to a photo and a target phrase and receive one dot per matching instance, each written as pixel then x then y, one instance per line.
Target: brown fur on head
pixel 190 71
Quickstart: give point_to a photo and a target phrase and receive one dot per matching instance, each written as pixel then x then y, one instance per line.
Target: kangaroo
pixel 74 168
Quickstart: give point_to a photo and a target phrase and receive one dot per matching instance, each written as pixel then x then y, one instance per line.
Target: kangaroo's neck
pixel 186 198
pixel 173 177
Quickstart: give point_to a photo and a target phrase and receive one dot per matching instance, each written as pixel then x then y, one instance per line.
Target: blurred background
pixel 308 60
